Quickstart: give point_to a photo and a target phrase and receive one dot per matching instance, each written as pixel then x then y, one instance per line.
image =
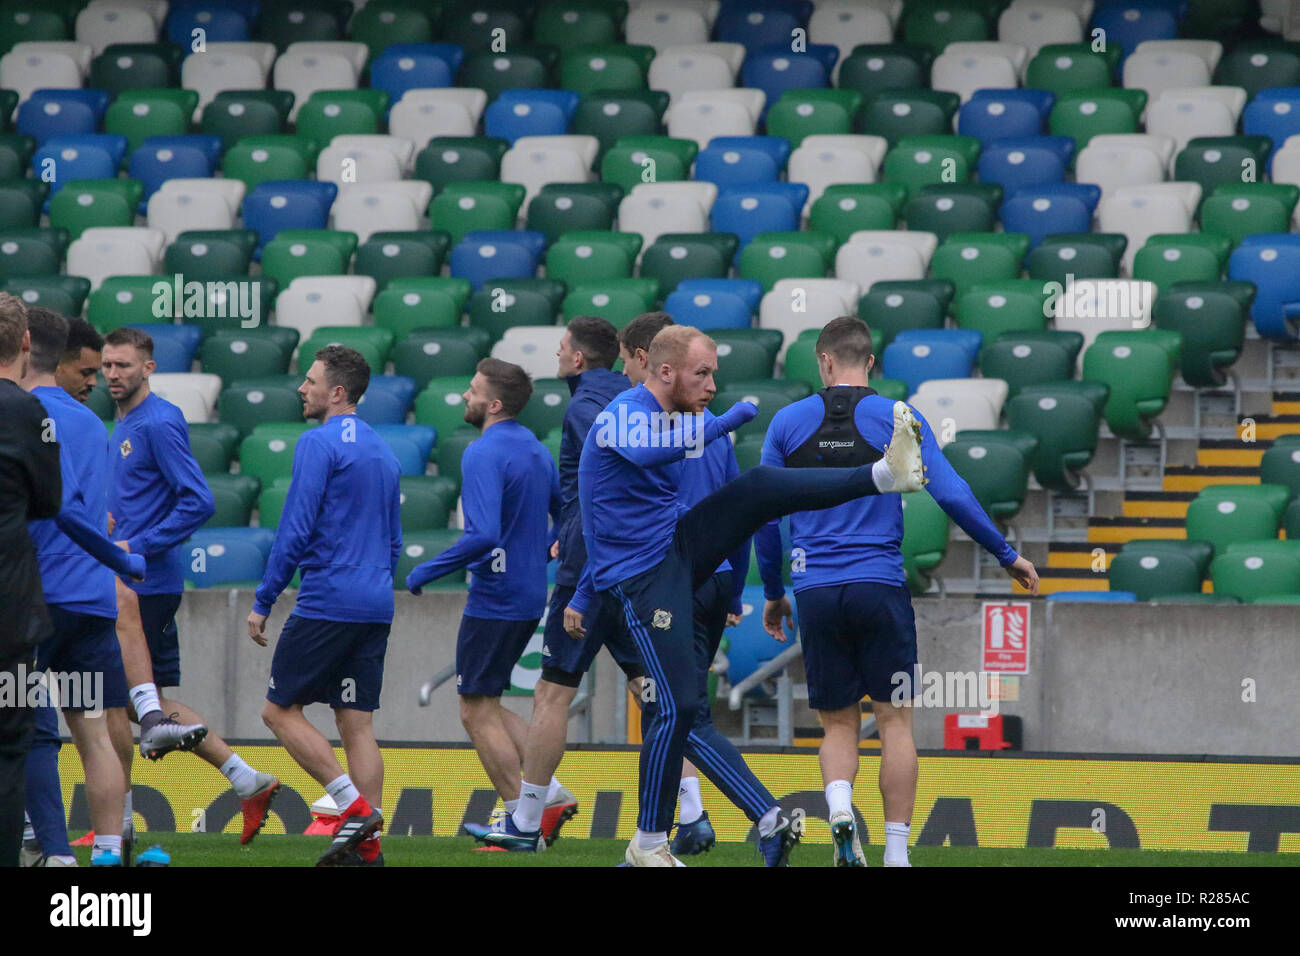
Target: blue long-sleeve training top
pixel 77 558
pixel 157 492
pixel 509 488
pixel 341 526
pixel 592 390
pixel 859 540
pixel 702 477
pixel 628 482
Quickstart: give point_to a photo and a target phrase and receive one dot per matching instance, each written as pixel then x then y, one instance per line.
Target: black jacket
pixel 30 488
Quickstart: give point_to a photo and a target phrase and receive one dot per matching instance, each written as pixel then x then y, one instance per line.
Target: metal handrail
pixel 775 665
pixel 434 682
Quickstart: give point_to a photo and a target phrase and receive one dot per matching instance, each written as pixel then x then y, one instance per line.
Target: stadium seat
pixel 230 557
pixel 967 67
pixel 1138 371
pixel 535 161
pixel 993 308
pixel 618 301
pixel 695 66
pixel 441 405
pixel 1020 360
pixel 493 72
pixel 844 209
pixel 484 255
pixel 1272 265
pixel 708 311
pixel 195 393
pixel 233 114
pixel 275 205
pixel 970 257
pixel 1081 255
pixel 1140 212
pixel 916 356
pixel 770 397
pixel 226 66
pixel 996 466
pixel 1064 417
pixel 937 25
pixel 1252 574
pixel 874 67
pixel 925 539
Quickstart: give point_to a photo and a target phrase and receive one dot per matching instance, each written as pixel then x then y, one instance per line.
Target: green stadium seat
pixel 587 257
pixel 260 159
pixel 1083 114
pixel 286 258
pixel 605 67
pixel 469 206
pixel 575 25
pixel 749 452
pixel 472 24
pixel 1237 210
pixel 800 113
pixel 1153 573
pixel 430 354
pixel 250 403
pixel 677 256
pixel 846 208
pixel 899 113
pixel 609 115
pixel 205 254
pixel 520 68
pixel 1167 259
pixel 1065 418
pixel 235 355
pixel 140 114
pixel 545 409
pixel 925 539
pixel 740 359
pixel 1213 161
pixel 233 114
pixel 87 203
pixel 996 466
pixel 388 255
pixel 1082 255
pixel 421 546
pixel 29 252
pixel 618 301
pixel 21 201
pixel 918 161
pixel 1258 63
pixel 1252 574
pixel 897 306
pixel 770 396
pixel 427 502
pixel 63 294
pixel 1200 553
pixel 893 388
pixel 132 66
pixel 451 446
pixel 330 113
pixel 29 23
pixel 773 256
pixel 456 159
pixel 403 311
pixel 1063 68
pixel 270 503
pixel 1275 496
pixel 935 25
pixel 1212 324
pixel 266 453
pixel 872 67
pixel 382 23
pixel 1139 372
pixel 633 160
pixel 499 306
pixel 1224 520
pixel 213 445
pixel 1281 466
pixel 1021 361
pixel 441 405
pixel 569 207
pixel 233 504
pixel 16 150
pixel 944 210
pixel 374 343
pixel 286 23
pixel 994 308
pixel 967 259
pixel 123 300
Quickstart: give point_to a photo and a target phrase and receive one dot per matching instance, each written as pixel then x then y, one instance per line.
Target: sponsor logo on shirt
pixel 125 447
pixel 662 620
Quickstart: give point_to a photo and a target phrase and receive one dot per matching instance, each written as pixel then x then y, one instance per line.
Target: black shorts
pixel 565 660
pixel 85 645
pixel 158 617
pixel 340 663
pixel 487 651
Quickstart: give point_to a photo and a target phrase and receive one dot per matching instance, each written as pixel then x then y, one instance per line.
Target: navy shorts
pixel 565 660
pixel 487 650
pixel 340 663
pixel 86 645
pixel 158 617
pixel 859 640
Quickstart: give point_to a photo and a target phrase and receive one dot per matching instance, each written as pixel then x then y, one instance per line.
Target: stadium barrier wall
pixel 963 799
pixel 1132 679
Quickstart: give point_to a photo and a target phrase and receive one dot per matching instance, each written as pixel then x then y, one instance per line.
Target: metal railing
pixel 784 691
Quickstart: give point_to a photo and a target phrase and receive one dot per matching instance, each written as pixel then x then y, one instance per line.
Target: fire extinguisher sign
pixel 1005 638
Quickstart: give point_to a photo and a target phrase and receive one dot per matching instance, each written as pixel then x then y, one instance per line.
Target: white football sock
pixel 510 805
pixel 688 800
pixel 529 807
pixel 839 797
pixel 896 835
pixel 144 698
pixel 128 813
pixel 767 825
pixel 553 789
pixel 343 792
pixel 650 841
pixel 106 844
pixel 241 776
pixel 882 476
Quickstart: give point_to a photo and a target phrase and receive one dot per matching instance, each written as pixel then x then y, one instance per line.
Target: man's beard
pixel 474 417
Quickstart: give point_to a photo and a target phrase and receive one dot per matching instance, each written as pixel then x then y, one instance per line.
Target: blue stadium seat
pixel 161 158
pixel 230 555
pixel 1153 21
pixel 383 408
pixel 401 387
pixel 1040 211
pixel 220 22
pixel 424 437
pixel 749 290
pixel 750 646
pixel 1095 597
pixel 735 165
pixel 174 345
pixel 50 113
pixel 758 207
pixel 499 256
pixel 755 26
pixel 1274 113
pixel 708 310
pixel 775 69
pixel 1274 268
pixel 775 146
pixel 1001 114
pixel 517 113
pixel 90 156
pixel 917 355
pixel 409 461
pixel 532 240
pixel 1026 161
pixel 288 204
pixel 410 66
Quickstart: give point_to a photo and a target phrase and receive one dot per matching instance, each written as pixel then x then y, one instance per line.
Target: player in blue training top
pixel 157 498
pixel 509 488
pixel 647 554
pixel 341 526
pixel 587 352
pixel 855 611
pixel 77 562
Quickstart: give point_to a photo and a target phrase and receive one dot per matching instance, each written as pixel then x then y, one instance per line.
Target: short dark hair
pixel 347 367
pixel 846 339
pixel 509 383
pixel 127 336
pixel 596 339
pixel 641 331
pixel 49 338
pixel 13 323
pixel 81 335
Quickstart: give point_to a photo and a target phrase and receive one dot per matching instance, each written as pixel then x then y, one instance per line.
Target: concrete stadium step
pixel 1079 555
pixel 1053 580
pixel 1120 530
pixel 1261 427
pixel 1230 453
pixel 1286 403
pixel 1194 478
pixel 1157 504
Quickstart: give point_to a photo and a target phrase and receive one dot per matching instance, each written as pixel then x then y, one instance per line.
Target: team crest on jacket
pixel 662 620
pixel 125 447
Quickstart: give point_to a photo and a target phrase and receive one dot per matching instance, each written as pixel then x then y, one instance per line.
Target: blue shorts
pixel 487 650
pixel 565 660
pixel 856 638
pixel 340 663
pixel 158 617
pixel 85 644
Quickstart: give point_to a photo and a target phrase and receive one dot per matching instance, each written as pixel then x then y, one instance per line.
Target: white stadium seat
pixel 1140 212
pixel 1155 67
pixel 655 209
pixel 699 66
pixel 1112 161
pixel 230 190
pixel 992 391
pixel 308 308
pixel 360 288
pixel 826 159
pixel 847 24
pixel 306 72
pixel 701 118
pixel 666 24
pixel 403 150
pixel 355 53
pixel 1093 306
pixel 531 347
pixel 1182 116
pixel 796 305
pixel 26 71
pixel 101 24
pixel 1036 25
pixel 965 71
pixel 194 393
pixel 210 73
pixel 157 9
pixel 105 251
pixel 173 211
pixel 420 117
pixel 535 161
pixel 365 208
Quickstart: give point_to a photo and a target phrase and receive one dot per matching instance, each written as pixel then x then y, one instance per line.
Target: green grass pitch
pixel 220 849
